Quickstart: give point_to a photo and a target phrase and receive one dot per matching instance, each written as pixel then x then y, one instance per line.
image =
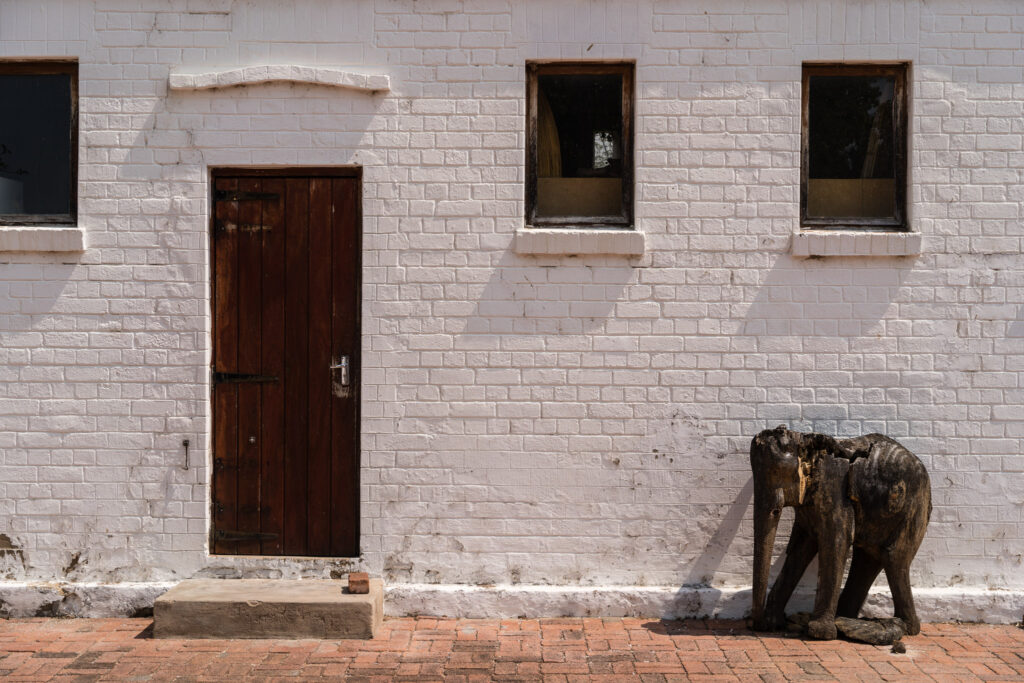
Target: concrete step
pixel 266 608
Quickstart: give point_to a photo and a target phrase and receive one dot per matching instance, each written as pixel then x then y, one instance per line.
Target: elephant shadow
pixel 698 596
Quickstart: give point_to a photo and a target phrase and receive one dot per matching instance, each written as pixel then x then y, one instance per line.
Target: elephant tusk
pixel 804 472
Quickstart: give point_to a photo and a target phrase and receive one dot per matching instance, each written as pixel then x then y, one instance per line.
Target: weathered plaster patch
pixel 76 565
pixel 258 567
pixel 12 557
pixel 9 549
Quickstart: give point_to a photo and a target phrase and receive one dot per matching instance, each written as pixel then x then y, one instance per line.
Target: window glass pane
pixel 851 150
pixel 35 144
pixel 579 145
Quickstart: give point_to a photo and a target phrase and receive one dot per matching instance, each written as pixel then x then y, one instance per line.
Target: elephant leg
pixel 833 548
pixel 898 574
pixel 863 572
pixel 800 550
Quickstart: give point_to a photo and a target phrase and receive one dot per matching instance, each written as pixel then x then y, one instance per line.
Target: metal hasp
pixel 238 196
pixel 226 535
pixel 239 377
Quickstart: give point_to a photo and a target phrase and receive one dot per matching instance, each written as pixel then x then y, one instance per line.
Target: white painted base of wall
pixel 663 602
pixel 656 602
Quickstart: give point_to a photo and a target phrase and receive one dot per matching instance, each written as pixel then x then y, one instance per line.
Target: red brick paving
pixel 555 650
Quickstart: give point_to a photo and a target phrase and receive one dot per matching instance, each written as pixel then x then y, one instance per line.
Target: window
pixel 854 147
pixel 579 142
pixel 38 142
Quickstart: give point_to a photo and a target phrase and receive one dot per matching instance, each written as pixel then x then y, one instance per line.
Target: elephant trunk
pixel 767 510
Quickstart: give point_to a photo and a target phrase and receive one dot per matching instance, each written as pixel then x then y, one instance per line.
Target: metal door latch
pixel 342 368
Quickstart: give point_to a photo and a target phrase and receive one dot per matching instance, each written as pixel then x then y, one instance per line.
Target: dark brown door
pixel 285 378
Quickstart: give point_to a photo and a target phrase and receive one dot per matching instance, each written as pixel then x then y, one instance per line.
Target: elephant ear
pixel 897 497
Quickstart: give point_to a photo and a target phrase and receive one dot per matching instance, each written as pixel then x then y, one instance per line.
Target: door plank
pixel 225 359
pixel 250 307
pixel 320 398
pixel 273 398
pixel 296 362
pixel 345 339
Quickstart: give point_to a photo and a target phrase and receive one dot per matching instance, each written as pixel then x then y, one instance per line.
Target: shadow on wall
pixel 1015 329
pixel 39 294
pixel 818 326
pixel 704 568
pixel 42 323
pixel 698 596
pixel 527 297
pixel 708 600
pixel 812 329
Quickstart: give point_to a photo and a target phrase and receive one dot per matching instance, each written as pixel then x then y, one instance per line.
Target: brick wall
pixel 526 419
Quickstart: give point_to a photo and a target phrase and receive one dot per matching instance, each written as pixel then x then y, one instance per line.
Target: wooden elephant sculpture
pixel 869 492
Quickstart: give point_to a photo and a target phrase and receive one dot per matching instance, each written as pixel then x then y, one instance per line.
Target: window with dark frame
pixel 854 146
pixel 38 143
pixel 579 144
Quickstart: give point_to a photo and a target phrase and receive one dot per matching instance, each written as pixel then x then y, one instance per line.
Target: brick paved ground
pixel 513 650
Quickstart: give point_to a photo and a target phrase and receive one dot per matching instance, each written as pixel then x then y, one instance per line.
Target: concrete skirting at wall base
pixel 19 599
pixel 56 599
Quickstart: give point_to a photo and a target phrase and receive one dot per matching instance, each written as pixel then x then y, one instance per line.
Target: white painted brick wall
pixel 526 419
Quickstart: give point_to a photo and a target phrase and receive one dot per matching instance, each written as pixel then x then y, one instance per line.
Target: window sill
pixel 41 238
pixel 809 243
pixel 579 241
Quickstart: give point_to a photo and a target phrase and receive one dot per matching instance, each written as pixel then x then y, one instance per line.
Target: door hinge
pixel 225 535
pixel 239 378
pixel 237 196
pixel 226 228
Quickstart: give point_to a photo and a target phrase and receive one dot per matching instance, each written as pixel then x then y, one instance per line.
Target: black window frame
pixel 41 68
pixel 627 69
pixel 900 72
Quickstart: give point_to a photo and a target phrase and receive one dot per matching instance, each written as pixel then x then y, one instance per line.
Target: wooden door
pixel 286 266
